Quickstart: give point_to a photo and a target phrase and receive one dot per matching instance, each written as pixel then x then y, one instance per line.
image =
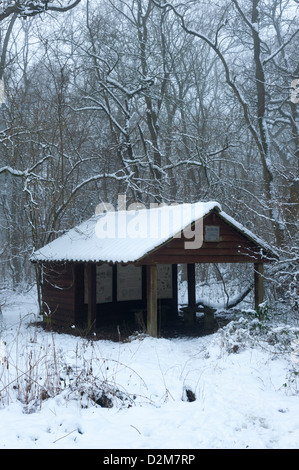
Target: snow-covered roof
pixel 128 236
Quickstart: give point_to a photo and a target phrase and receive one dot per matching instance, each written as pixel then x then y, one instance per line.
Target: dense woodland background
pixel 179 102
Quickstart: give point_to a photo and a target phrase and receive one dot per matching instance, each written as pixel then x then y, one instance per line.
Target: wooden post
pixel 151 294
pixel 79 294
pixel 91 289
pixel 175 307
pixel 258 284
pixel 190 317
pixel 114 284
pixel 191 285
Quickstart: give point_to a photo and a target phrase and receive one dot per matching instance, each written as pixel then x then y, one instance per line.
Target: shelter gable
pixel 231 246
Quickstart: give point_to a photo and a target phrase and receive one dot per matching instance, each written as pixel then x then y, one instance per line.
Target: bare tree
pixel 255 110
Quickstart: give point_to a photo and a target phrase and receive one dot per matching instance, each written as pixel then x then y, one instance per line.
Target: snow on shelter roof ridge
pixel 127 236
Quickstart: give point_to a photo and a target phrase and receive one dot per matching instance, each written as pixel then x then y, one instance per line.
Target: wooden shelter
pixel 120 263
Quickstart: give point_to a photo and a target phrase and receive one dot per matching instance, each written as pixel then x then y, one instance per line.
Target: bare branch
pixel 24 8
pixel 281 48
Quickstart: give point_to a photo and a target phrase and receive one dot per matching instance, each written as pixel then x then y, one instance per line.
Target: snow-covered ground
pixel 244 380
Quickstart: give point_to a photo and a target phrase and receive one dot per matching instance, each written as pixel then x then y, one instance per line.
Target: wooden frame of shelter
pixel 69 288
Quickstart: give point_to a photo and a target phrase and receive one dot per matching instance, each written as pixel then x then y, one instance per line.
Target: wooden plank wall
pixel 80 310
pixel 59 293
pixel 232 247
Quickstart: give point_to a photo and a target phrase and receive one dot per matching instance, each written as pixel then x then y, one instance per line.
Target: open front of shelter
pixel 123 264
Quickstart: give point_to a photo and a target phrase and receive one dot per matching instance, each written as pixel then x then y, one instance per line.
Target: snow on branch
pixel 117 175
pixel 26 8
pixel 130 93
pixel 24 173
pixel 277 51
pixel 13 171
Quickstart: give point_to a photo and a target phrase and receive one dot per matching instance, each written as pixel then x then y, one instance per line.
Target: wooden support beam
pixel 190 316
pixel 258 284
pixel 191 285
pixel 114 284
pixel 79 294
pixel 91 290
pixel 151 294
pixel 175 289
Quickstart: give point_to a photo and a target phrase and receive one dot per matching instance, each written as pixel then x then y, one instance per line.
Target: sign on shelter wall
pixel 103 284
pixel 164 276
pixel 129 282
pixel 212 233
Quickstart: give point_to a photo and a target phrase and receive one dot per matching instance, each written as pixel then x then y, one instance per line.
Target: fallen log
pixel 206 307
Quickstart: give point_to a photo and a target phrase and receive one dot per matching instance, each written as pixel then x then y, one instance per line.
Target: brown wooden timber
pixel 197 258
pixel 80 314
pixel 258 284
pixel 232 247
pixel 151 290
pixel 190 316
pixel 58 293
pixel 91 293
pixel 175 287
